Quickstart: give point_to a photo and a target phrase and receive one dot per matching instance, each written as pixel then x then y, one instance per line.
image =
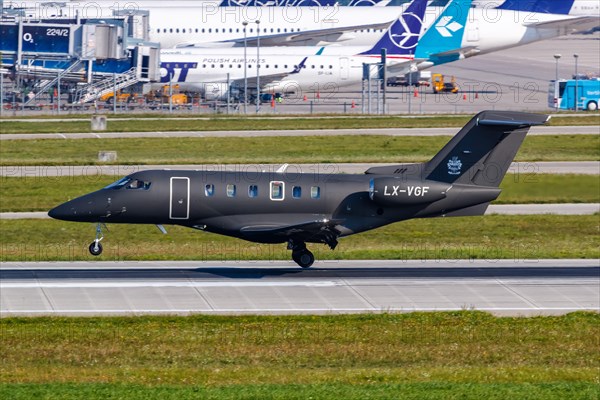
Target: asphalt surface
pixel 504 287
pixel 536 130
pixel 529 169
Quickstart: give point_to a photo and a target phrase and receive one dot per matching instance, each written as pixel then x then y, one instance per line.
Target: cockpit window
pixel 119 184
pixel 138 184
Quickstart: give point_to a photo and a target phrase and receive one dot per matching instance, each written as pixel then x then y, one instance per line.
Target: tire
pixel 303 258
pixel 592 106
pixel 93 250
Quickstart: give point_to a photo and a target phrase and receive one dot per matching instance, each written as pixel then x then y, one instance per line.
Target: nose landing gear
pixel 95 247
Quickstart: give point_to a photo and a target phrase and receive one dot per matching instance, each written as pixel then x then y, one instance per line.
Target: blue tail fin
pixel 445 34
pixel 402 36
pixel 541 6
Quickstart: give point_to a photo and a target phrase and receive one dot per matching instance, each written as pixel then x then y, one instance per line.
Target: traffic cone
pixel 305 98
pixel 476 95
pixel 318 95
pixel 464 96
pixel 416 93
pixel 272 101
pixel 353 105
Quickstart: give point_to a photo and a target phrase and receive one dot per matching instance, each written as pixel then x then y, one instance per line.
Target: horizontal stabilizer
pixel 569 25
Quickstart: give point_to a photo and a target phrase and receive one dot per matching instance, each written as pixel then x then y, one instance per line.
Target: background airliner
pixel 178 23
pixel 292 70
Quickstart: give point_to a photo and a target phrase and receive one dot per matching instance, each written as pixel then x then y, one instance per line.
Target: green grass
pixel 489 237
pixel 456 355
pixel 43 193
pixel 408 391
pixel 257 150
pixel 185 122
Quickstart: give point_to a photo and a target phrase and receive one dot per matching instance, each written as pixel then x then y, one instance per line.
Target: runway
pixel 535 131
pixel 502 287
pixel 528 168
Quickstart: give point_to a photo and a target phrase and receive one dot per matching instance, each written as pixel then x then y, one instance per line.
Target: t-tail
pixel 402 36
pixel 474 162
pixel 539 6
pixel 442 42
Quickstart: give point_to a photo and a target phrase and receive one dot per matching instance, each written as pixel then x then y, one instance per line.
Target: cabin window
pixel 252 191
pixel 209 190
pixel 277 190
pixel 315 192
pixel 297 192
pixel 230 190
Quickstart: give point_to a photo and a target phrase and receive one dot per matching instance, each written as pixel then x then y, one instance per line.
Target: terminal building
pixel 86 58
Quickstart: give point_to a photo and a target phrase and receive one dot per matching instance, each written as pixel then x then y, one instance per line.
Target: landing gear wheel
pixel 95 248
pixel 303 258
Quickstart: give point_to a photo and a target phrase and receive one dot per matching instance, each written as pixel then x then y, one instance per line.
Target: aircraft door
pixel 179 207
pixel 344 68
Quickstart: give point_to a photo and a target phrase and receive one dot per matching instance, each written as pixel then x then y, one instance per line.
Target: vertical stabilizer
pixel 445 35
pixel 482 151
pixel 402 36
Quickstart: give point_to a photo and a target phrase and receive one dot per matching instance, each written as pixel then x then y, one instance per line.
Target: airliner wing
pixel 570 25
pixel 268 79
pixel 307 37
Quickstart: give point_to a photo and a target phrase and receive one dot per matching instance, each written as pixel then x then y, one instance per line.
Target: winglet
pixel 298 68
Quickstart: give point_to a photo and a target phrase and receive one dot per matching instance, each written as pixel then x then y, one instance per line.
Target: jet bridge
pixel 76 50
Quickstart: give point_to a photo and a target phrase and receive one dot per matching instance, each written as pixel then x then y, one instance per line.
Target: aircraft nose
pixel 64 211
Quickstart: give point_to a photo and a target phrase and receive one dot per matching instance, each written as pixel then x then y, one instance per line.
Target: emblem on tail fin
pixel 408 39
pixel 447 28
pixel 454 166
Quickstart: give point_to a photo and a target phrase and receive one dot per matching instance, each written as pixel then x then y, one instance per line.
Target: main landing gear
pixel 300 254
pixel 95 246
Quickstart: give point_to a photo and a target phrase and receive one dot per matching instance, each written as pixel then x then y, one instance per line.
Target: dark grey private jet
pixel 299 208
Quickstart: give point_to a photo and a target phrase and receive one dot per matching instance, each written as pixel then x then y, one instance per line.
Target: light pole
pixel 257 66
pixel 576 83
pixel 245 24
pixel 556 57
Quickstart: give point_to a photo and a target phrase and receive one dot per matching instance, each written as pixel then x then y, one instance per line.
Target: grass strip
pixel 415 391
pixel 139 123
pixel 43 193
pixel 257 150
pixel 489 237
pixel 234 355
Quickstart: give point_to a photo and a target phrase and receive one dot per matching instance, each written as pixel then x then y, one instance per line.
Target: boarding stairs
pixel 110 83
pixel 51 82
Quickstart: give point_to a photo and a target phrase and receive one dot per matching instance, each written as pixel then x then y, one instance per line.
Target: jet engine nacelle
pixel 394 191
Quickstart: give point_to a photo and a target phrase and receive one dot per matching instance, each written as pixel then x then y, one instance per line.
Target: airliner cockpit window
pixel 138 184
pixel 119 184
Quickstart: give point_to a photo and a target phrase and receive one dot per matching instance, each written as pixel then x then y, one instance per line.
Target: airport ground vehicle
pixel 122 97
pixel 561 94
pixel 440 84
pixel 167 95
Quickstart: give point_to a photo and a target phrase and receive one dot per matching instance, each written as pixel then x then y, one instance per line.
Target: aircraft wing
pixel 569 25
pixel 268 79
pixel 313 37
pixel 319 230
